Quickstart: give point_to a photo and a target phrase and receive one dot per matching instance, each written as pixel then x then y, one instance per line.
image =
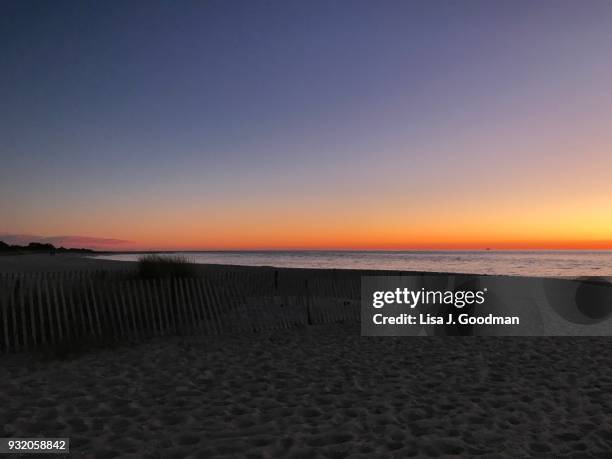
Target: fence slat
pixel 62 297
pixel 13 310
pixel 85 305
pixel 189 303
pixel 25 341
pixel 199 306
pixel 180 316
pixel 5 321
pixel 55 306
pixel 215 306
pixel 32 317
pixel 76 311
pixel 50 325
pixel 155 291
pixel 207 307
pixel 39 295
pixel 109 319
pixel 138 309
pixel 126 293
pixel 95 307
pixel 166 298
pixel 118 306
pixel 155 316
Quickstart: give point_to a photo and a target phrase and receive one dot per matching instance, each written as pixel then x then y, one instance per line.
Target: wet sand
pixel 320 391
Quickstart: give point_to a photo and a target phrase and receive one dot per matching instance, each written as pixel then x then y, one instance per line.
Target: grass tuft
pixel 161 266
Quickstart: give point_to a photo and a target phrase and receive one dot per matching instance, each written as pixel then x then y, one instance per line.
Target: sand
pixel 30 263
pixel 316 391
pixel 320 391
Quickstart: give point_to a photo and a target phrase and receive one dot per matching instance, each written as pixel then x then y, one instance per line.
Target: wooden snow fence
pixel 39 310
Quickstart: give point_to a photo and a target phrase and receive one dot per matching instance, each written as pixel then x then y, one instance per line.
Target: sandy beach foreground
pixel 306 391
pixel 320 391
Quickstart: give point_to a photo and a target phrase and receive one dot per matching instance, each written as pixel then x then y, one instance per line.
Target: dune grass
pixel 161 266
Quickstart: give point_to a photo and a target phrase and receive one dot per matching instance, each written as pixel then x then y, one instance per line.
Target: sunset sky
pixel 306 124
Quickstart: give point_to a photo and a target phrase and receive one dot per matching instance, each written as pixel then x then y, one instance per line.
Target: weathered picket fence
pixel 47 309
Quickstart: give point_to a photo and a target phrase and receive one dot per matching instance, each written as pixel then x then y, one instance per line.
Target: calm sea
pixel 521 263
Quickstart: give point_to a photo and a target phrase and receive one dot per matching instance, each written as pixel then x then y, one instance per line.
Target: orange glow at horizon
pixel 340 245
pixel 383 232
pixel 512 204
pixel 441 222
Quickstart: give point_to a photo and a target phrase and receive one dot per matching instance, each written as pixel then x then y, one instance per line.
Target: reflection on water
pixel 521 263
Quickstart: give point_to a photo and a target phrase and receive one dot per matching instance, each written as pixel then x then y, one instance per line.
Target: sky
pixel 307 124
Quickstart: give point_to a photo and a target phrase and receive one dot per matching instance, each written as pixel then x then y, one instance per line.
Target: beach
pixel 321 391
pixel 42 262
pixel 301 391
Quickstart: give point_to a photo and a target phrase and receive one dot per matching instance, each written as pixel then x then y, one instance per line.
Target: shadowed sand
pixel 29 263
pixel 321 391
pixel 314 391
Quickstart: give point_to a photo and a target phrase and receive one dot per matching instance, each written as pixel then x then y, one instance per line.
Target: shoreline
pixel 33 263
pixel 25 263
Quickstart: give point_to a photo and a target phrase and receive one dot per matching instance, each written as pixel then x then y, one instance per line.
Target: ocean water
pixel 517 263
